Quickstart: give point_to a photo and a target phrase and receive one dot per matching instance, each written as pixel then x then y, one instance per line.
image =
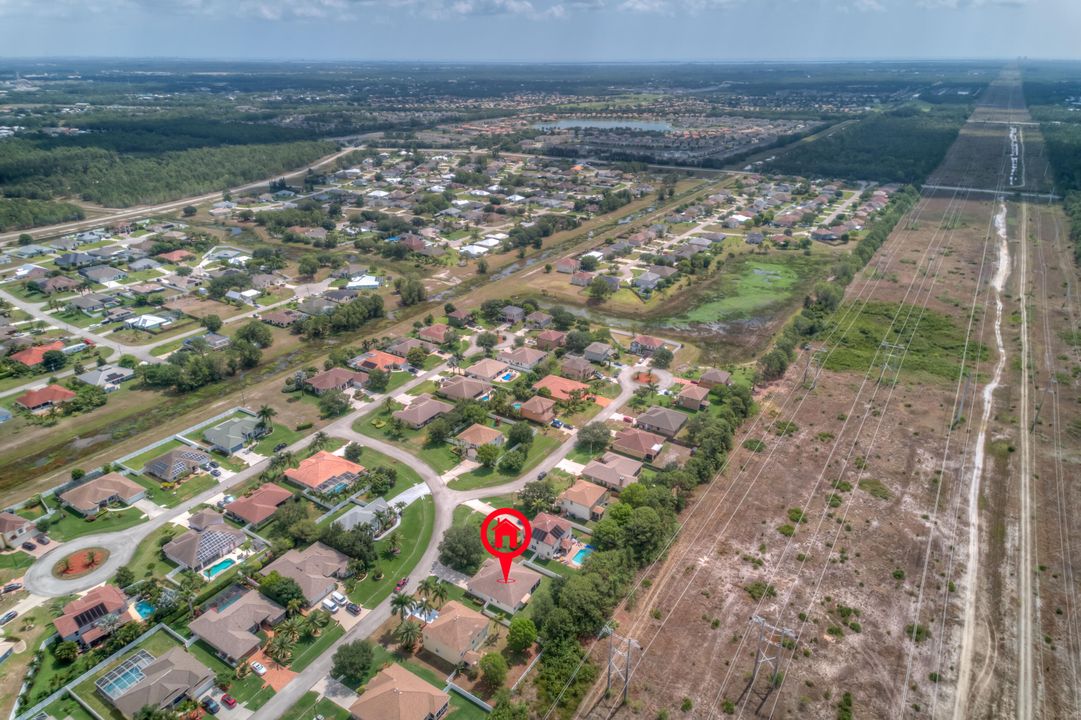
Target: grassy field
pixel 439 457
pixel 12 565
pixel 279 434
pixel 188 489
pixel 72 526
pixel 31 628
pixel 754 286
pixel 462 709
pixel 407 476
pixel 542 447
pixel 415 530
pixel 306 651
pixel 311 705
pixel 148 560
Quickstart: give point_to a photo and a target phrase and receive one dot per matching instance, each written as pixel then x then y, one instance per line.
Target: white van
pixel 330 606
pixel 338 598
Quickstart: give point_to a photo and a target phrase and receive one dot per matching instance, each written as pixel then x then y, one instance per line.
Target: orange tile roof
pixel 320 468
pixel 32 356
pixel 51 394
pixel 561 388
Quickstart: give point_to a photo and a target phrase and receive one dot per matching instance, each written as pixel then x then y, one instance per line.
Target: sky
pixel 541 30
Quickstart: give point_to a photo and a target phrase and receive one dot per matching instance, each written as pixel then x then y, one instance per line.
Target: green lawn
pixel 428 386
pixel 72 526
pixel 306 651
pixel 583 455
pixel 188 489
pixel 397 379
pixel 438 457
pixel 148 560
pixel 140 461
pixel 67 707
pixel 415 531
pixel 243 690
pixel 542 447
pixel 423 672
pixel 407 476
pixel 12 565
pixel 462 709
pixel 309 706
pixel 280 434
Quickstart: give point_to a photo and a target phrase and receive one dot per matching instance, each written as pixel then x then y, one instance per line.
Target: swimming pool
pixel 219 566
pixel 507 377
pixel 144 609
pixel 581 555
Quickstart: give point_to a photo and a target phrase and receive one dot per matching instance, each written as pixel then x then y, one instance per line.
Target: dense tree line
pixel 828 295
pixel 544 226
pixel 348 316
pixel 119 180
pixel 19 213
pixel 904 145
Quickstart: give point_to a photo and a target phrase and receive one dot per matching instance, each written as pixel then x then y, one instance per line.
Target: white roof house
pixel 363 282
pixel 378 194
pixel 146 322
pixel 474 250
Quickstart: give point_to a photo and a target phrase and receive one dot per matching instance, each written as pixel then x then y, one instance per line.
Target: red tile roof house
pixel 645 345
pixel 45 399
pixel 551 536
pixel 260 506
pixel 538 409
pixel 177 256
pixel 693 397
pixel 559 388
pixel 336 379
pixel 377 360
pixel 584 500
pixel 94 616
pixel 325 473
pixel 33 356
pixel 436 333
pixel 13 529
pixel 477 435
pixel 638 443
pixel 566 265
pixel 551 339
pixel 713 378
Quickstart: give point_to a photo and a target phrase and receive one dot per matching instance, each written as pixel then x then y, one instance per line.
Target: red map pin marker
pixel 512 534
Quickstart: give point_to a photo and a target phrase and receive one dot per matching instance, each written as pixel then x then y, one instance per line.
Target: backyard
pixel 415 530
pixel 70 525
pixel 189 488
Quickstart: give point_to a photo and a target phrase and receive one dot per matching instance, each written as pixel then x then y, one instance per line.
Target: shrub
pixel 754 445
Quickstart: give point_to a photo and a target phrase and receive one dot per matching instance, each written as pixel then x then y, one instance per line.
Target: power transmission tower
pixel 816 355
pixel 771 640
pixel 893 352
pixel 620 660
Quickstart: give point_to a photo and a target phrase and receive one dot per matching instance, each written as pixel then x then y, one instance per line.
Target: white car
pixel 258 668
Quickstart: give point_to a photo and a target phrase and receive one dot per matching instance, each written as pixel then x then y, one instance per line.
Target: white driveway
pixel 411 494
pixel 151 508
pixel 570 466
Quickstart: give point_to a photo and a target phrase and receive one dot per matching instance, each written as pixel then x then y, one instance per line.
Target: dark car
pixel 42 540
pixel 228 701
pixel 352 609
pixel 12 587
pixel 29 545
pixel 211 705
pixel 279 447
pixel 8 617
pixel 213 464
pixel 216 473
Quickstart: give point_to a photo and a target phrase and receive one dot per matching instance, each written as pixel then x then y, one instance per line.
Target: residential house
pixel 231 631
pixel 90 304
pixel 148 322
pixel 176 464
pixel 377 360
pixel 93 617
pixel 457 634
pixel 523 358
pixel 436 333
pixel 560 388
pixel 487 585
pixel 551 339
pixel 402 346
pixel 612 470
pixel 538 320
pixel 663 271
pixel 645 345
pixel 57 284
pixel 109 377
pixel 460 388
pixel 368 514
pixel 487 369
pixel 583 500
pixel 196 549
pixel 233 434
pixel 177 256
pixel 258 507
pixel 213 341
pixel 14 530
pixel 75 260
pixel 422 411
pixel 103 274
pixel 513 314
pixel 567 265
pixel 91 496
pixel 282 318
pixel 693 397
pixel 143 264
pixel 538 409
pixel 397 694
pixel 325 473
pixel 577 367
pixel 337 378
pixel 45 400
pixel 161 682
pixel 477 435
pixel 460 318
pixel 638 443
pixel 713 377
pixel 598 352
pixel 35 354
pixel 646 281
pixel 582 279
pixel 315 305
pixel 316 570
pixel 551 536
pixel 661 420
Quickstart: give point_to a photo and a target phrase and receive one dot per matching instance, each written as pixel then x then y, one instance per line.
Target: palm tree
pixel 280 649
pixel 438 593
pixel 428 585
pixel 425 607
pixel 64 566
pixel 294 606
pixel 385 518
pixel 402 604
pixel 317 620
pixel 265 414
pixel 407 634
pixel 291 628
pixel 91 558
pixel 319 441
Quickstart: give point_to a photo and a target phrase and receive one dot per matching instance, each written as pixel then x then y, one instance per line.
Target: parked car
pixel 279 447
pixel 42 540
pixel 258 668
pixel 557 423
pixel 542 474
pixel 8 617
pixel 12 587
pixel 330 606
pixel 216 473
pixel 214 464
pixel 352 609
pixel 228 701
pixel 211 705
pixel 29 545
pixel 401 584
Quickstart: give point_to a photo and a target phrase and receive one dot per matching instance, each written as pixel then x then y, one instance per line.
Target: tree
pixel 124 577
pixel 438 431
pixel 506 709
pixel 281 590
pixel 512 462
pixel 522 633
pixel 461 549
pixel 352 661
pixel 26 239
pixel 520 435
pixel 256 333
pixel 280 649
pixel 537 496
pixel 224 678
pixel 588 263
pixel 212 323
pixel 494 668
pixel 53 360
pixel 487 455
pixel 66 651
pixel 189 210
pixel 265 414
pixel 151 712
pixel 416 356
pixel 593 437
pixel 487 340
pixel 378 380
pixel 308 266
pixel 315 622
pixel 599 289
pixel 334 403
pixel 407 634
pixel 410 290
pixel 402 604
pixel 353 452
pixel 662 357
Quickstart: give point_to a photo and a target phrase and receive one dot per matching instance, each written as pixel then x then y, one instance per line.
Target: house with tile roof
pixel 638 443
pixel 316 570
pixel 612 470
pixel 422 411
pixel 197 549
pixel 338 378
pixel 457 635
pixel 257 508
pixel 538 409
pixel 87 499
pixel 14 530
pixel 45 400
pixel 487 585
pixel 397 694
pixel 35 354
pixel 232 631
pixel 164 682
pixel 93 617
pixel 661 420
pixel 583 500
pixel 325 472
pixel 551 536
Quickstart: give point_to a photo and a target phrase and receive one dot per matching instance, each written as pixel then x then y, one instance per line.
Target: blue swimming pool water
pixel 219 567
pixel 144 609
pixel 581 555
pixel 508 376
